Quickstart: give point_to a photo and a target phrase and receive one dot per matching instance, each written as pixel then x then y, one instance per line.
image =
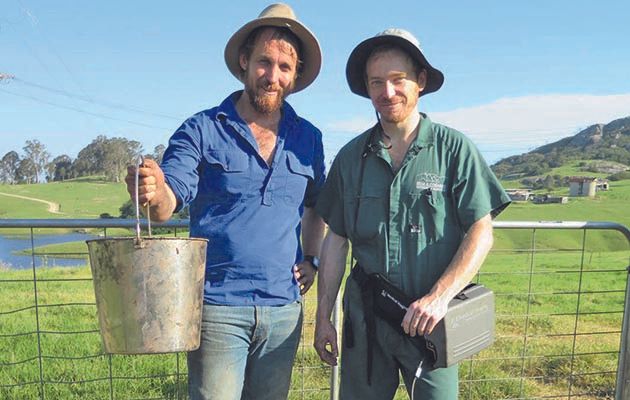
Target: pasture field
pixel 80 198
pixel 541 299
pixel 559 309
pixel 606 206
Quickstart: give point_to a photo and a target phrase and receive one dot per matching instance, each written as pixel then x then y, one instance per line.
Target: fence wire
pixel 561 326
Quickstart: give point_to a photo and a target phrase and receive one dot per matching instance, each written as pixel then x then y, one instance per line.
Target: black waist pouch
pixel 385 299
pixel 390 303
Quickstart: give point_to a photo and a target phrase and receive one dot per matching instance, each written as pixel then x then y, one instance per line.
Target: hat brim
pixel 311 52
pixel 355 68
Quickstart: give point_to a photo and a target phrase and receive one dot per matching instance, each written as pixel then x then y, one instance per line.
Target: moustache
pixel 270 87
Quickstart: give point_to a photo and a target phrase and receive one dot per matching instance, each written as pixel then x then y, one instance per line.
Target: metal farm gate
pixel 562 325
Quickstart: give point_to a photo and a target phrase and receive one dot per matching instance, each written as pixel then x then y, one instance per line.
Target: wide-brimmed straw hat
pixel 355 69
pixel 278 15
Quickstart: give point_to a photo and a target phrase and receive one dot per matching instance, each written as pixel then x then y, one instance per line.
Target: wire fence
pixel 561 324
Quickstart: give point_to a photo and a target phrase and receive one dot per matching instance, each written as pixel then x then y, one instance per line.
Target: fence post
pixel 622 391
pixel 334 375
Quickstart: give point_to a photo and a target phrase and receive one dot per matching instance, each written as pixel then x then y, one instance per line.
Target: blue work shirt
pixel 250 212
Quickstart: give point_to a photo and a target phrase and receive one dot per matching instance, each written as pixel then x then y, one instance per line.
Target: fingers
pixel 431 324
pixel 150 163
pixel 411 321
pixel 326 344
pixel 329 356
pixel 306 286
pixel 416 325
pixel 149 179
pixel 416 321
pixel 305 275
pixel 423 315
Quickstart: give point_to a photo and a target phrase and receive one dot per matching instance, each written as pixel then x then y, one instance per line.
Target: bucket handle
pixel 139 163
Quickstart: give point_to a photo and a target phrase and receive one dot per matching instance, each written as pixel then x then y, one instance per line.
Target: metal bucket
pixel 149 294
pixel 149 291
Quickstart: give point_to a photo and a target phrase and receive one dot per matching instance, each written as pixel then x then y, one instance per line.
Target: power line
pixel 83 111
pixel 90 100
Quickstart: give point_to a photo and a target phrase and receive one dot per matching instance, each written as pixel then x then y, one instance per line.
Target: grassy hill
pixel 81 198
pixel 605 143
pixel 88 198
pixel 608 205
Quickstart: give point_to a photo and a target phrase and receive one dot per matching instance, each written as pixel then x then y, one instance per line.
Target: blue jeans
pixel 246 352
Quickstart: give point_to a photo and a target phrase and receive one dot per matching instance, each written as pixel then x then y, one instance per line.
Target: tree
pixel 26 171
pixel 89 159
pixel 8 167
pixel 60 168
pixel 158 153
pixel 108 157
pixel 549 183
pixel 36 152
pixel 119 153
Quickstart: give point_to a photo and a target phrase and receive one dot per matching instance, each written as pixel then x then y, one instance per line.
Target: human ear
pixel 422 79
pixel 242 60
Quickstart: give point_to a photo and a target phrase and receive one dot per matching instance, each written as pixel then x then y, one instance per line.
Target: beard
pixel 266 104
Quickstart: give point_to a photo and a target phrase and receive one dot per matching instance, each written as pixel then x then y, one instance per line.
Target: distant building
pixel 519 194
pixel 582 186
pixel 602 184
pixel 546 199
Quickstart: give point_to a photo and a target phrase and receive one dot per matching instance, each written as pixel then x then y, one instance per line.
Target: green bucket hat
pixel 355 69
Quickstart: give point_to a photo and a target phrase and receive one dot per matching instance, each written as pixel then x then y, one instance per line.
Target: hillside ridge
pixel 607 142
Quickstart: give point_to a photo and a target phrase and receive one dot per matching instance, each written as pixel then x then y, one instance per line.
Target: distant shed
pixel 582 186
pixel 601 184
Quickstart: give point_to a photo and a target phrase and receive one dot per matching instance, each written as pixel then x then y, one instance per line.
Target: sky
pixel 518 74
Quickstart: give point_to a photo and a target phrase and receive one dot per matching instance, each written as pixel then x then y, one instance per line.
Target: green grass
pixel 552 273
pixel 86 198
pixel 570 168
pixel 606 206
pixel 74 368
pixel 78 199
pixel 573 169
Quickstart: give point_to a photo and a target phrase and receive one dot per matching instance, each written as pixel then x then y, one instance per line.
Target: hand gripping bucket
pixel 149 292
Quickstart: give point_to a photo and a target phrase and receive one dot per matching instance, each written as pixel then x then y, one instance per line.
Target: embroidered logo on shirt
pixel 430 181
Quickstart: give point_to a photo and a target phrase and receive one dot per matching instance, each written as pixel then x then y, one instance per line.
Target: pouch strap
pixel 365 283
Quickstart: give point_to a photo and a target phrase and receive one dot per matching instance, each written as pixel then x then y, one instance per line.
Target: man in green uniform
pixel 416 200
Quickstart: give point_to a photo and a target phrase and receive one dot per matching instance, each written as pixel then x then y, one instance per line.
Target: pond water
pixel 10 245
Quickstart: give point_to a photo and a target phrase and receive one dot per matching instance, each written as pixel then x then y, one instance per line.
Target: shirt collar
pixel 423 139
pixel 425 134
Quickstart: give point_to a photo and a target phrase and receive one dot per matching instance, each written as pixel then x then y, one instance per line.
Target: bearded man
pixel 251 170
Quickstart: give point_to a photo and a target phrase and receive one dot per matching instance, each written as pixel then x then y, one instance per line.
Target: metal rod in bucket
pixel 140 163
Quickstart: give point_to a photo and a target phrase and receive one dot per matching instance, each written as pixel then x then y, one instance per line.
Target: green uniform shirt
pixel 408 225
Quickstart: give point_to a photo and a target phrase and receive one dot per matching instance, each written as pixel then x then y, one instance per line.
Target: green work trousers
pixel 393 355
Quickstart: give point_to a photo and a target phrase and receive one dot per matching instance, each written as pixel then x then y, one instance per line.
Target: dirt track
pixel 52 207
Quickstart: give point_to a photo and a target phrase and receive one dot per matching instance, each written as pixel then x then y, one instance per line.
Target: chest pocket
pixel 368 215
pixel 428 212
pixel 298 175
pixel 224 175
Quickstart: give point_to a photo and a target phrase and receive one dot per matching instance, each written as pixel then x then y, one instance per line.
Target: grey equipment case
pixel 467 328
